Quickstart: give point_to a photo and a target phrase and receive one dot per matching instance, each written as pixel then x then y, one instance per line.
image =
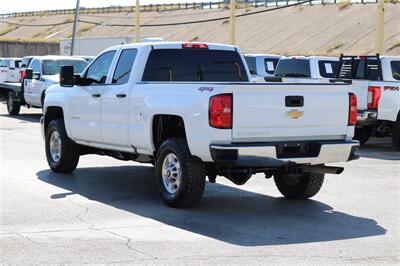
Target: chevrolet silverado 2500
pixel 191 110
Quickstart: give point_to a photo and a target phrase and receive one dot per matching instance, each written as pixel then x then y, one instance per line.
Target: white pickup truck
pixel 307 68
pixel 376 83
pixel 190 109
pixel 42 72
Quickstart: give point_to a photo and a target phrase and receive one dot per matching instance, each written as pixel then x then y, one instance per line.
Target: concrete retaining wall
pixel 21 49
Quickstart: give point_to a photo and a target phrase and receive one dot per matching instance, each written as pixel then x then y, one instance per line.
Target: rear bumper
pixel 278 154
pixel 366 117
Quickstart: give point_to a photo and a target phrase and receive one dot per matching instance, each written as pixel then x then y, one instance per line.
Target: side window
pixel 328 69
pixel 395 69
pixel 35 65
pixel 124 66
pixel 98 70
pixel 251 63
pixel 270 65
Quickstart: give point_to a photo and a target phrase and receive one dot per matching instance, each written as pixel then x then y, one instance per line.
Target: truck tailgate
pixel 284 112
pixel 360 89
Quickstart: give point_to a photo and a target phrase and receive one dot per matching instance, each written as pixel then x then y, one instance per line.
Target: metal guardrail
pixel 178 6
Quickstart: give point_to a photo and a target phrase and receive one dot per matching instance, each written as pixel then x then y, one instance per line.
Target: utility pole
pixel 74 27
pixel 380 27
pixel 137 24
pixel 233 22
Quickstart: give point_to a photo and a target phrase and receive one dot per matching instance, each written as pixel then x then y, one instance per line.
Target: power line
pixel 160 24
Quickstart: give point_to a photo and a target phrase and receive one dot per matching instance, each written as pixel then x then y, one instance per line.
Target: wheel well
pixel 42 97
pixel 53 112
pixel 167 126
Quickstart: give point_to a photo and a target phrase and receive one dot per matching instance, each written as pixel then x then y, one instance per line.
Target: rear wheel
pixel 180 176
pixel 302 187
pixel 13 106
pixel 61 152
pixel 362 134
pixel 396 133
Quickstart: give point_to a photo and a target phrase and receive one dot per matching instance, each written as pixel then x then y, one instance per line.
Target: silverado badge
pixel 294 114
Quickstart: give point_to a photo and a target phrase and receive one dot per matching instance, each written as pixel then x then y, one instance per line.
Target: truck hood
pixel 51 79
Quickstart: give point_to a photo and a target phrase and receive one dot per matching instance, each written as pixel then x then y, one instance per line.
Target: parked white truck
pixel 376 83
pixel 190 109
pixel 42 72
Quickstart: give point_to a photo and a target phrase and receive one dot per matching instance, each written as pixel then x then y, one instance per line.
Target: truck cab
pixel 43 72
pixel 9 69
pixel 300 69
pixel 261 65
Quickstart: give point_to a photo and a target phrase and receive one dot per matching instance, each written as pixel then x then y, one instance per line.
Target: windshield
pixel 293 68
pixel 194 65
pixel 53 67
pixel 395 69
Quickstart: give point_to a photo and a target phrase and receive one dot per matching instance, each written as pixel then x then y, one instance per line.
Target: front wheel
pixel 180 176
pixel 303 187
pixel 61 152
pixel 13 106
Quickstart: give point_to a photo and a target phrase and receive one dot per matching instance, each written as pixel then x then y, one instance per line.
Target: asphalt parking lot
pixel 109 212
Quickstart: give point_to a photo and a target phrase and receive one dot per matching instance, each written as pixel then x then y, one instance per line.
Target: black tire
pixel 192 174
pixel 69 152
pixel 396 133
pixel 362 134
pixel 304 187
pixel 13 106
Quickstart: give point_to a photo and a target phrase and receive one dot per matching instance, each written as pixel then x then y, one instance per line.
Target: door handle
pixel 121 95
pixel 96 95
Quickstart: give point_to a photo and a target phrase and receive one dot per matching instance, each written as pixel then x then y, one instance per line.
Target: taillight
pixel 374 94
pixel 21 75
pixel 220 111
pixel 352 109
pixel 191 45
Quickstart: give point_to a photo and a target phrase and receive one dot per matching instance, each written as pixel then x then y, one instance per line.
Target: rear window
pixel 328 69
pixel 4 63
pixel 251 63
pixel 395 69
pixel 270 65
pixel 194 65
pixel 53 67
pixel 293 68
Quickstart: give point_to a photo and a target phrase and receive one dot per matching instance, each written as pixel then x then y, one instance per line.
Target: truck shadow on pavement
pixel 379 148
pixel 32 118
pixel 225 213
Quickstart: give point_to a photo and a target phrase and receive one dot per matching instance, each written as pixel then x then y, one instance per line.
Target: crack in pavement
pixel 127 239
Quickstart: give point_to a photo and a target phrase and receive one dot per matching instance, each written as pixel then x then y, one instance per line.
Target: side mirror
pixel 36 75
pixel 28 73
pixel 67 76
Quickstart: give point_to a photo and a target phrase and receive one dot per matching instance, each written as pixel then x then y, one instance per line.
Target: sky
pixel 8 6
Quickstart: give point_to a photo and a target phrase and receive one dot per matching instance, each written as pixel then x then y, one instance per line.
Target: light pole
pixel 137 23
pixel 75 26
pixel 380 27
pixel 233 22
